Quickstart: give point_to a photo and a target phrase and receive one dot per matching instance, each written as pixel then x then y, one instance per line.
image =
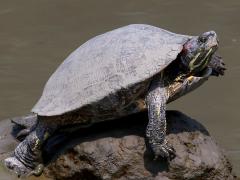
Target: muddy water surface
pixel 36 36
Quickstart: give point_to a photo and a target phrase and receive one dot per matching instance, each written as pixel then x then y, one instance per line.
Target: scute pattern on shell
pixel 107 63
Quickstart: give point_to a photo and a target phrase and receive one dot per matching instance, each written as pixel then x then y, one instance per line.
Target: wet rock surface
pixel 118 150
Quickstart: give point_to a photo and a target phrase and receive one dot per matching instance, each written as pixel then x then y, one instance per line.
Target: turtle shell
pixel 107 63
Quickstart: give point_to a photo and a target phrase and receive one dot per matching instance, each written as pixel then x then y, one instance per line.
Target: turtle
pixel 133 68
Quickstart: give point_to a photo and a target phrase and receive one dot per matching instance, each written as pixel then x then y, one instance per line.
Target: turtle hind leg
pixel 27 156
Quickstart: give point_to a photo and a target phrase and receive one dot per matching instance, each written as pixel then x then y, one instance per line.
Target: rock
pixel 118 150
pixel 7 141
pixel 7 145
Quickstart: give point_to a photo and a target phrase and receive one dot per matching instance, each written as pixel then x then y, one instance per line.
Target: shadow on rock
pixel 117 150
pixel 179 122
pixel 135 124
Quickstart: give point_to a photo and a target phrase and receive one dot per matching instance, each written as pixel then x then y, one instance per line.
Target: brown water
pixel 36 36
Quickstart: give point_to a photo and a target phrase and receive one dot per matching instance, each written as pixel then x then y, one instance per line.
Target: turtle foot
pixel 164 151
pixel 17 166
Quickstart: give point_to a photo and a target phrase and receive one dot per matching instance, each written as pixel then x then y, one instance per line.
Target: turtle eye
pixel 202 39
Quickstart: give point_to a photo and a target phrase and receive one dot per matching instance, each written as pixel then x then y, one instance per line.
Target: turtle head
pixel 197 51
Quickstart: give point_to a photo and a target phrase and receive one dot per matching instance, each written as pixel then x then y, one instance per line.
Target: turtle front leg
pixel 27 156
pixel 217 65
pixel 156 128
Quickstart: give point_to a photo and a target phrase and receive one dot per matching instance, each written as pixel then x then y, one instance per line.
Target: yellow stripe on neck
pixel 204 60
pixel 192 62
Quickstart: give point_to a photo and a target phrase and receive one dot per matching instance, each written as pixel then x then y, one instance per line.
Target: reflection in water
pixel 36 36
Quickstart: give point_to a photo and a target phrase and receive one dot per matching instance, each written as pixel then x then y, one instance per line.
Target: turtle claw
pixel 17 166
pixel 164 151
pixel 20 169
pixel 217 65
pixel 37 171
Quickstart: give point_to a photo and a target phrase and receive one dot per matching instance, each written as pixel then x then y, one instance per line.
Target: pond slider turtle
pixel 130 69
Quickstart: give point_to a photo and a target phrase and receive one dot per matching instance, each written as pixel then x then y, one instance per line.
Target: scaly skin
pixel 161 92
pixel 37 171
pixel 156 128
pixel 217 65
pixel 27 159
